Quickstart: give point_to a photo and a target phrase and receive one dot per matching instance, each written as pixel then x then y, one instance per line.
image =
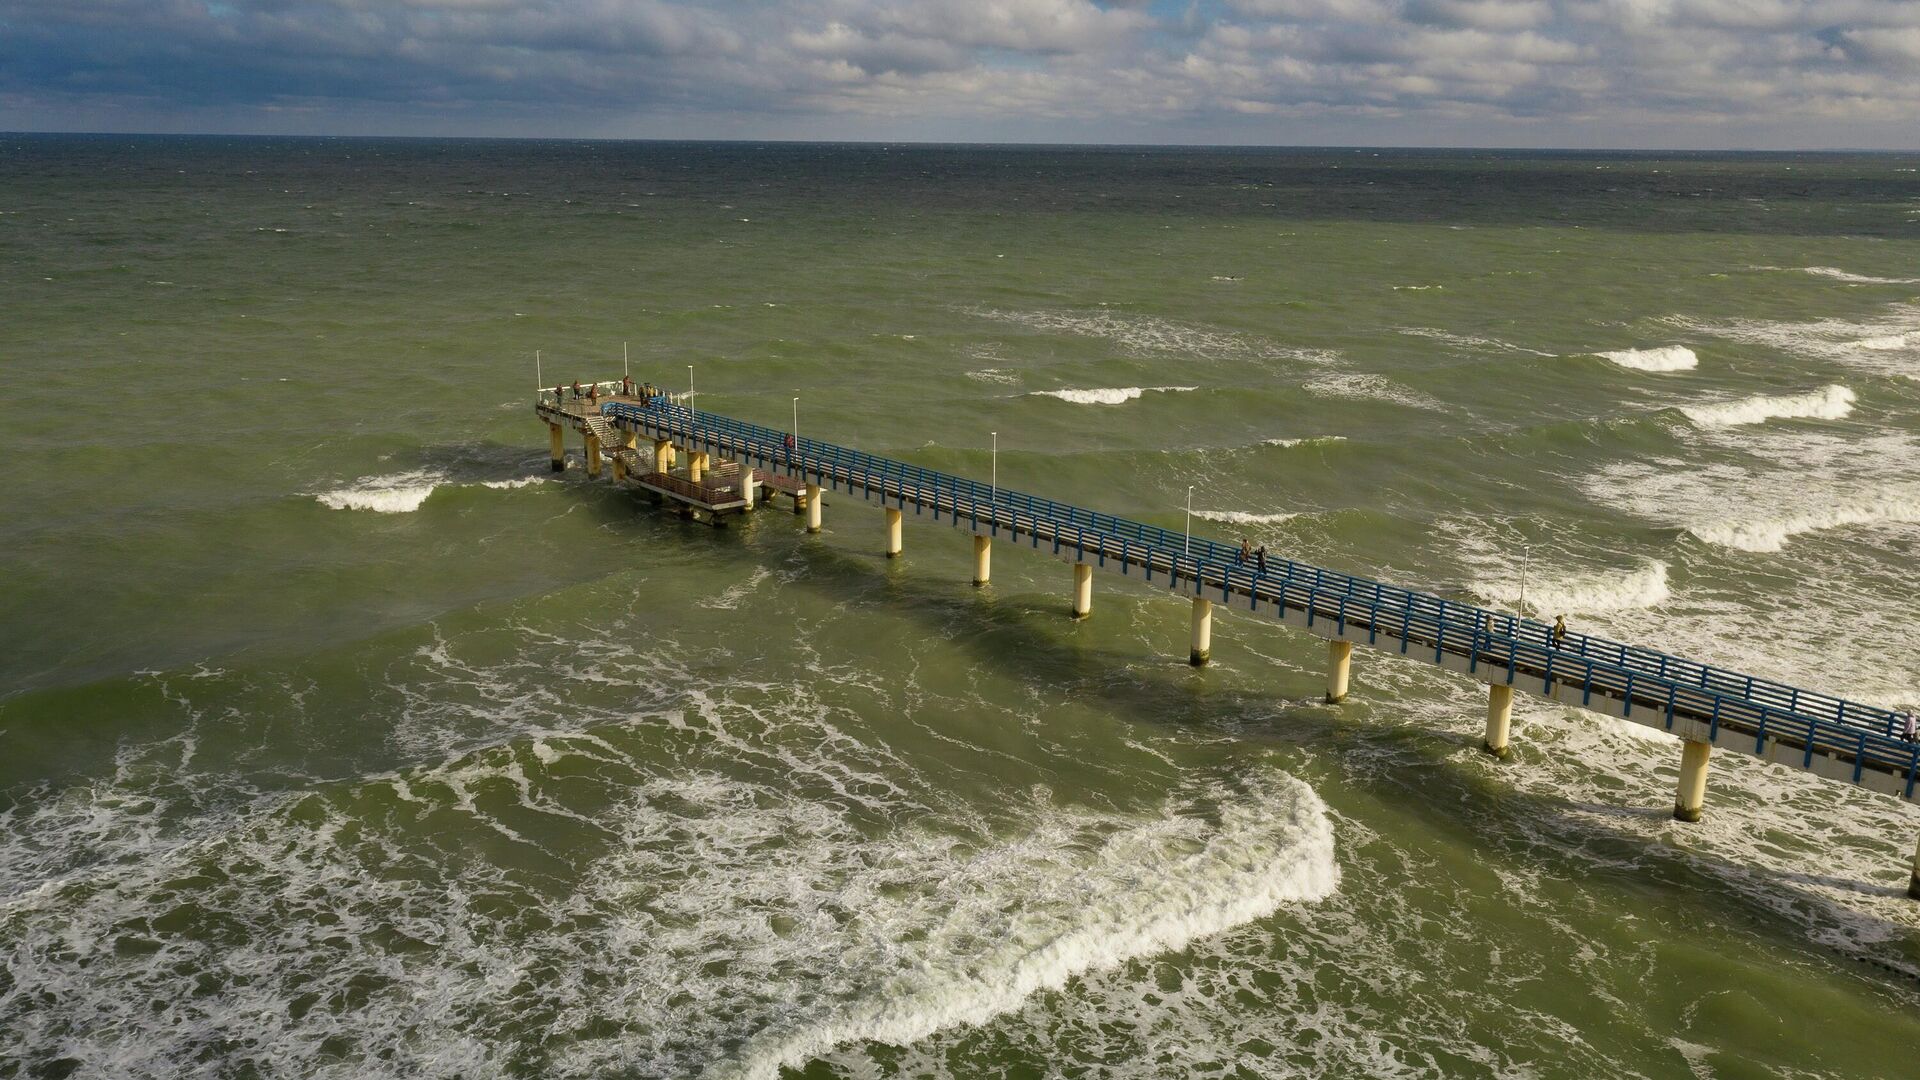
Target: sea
pixel 340 737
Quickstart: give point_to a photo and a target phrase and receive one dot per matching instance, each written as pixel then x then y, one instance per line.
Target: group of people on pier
pixel 590 392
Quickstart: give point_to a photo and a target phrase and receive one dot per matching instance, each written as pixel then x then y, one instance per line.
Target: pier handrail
pixel 1636 674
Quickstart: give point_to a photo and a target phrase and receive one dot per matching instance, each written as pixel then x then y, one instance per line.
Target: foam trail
pixel 1829 403
pixel 1111 395
pixel 1838 274
pixel 1664 358
pixel 1772 534
pixel 1889 342
pixel 398 493
pixel 1582 593
pixel 1311 440
pixel 508 485
pixel 1241 517
pixel 1143 896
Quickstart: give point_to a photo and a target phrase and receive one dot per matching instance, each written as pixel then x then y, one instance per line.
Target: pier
pixel 711 467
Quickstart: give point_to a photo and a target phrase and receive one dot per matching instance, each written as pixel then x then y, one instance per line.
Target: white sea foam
pixel 1361 385
pixel 508 485
pixel 1468 341
pixel 1664 358
pixel 1013 924
pixel 1310 440
pixel 1883 344
pixel 1769 530
pixel 403 493
pixel 1242 517
pixel 1838 274
pixel 1111 395
pixel 1889 342
pixel 398 493
pixel 1151 336
pixel 1829 403
pixel 994 375
pixel 1791 484
pixel 1584 592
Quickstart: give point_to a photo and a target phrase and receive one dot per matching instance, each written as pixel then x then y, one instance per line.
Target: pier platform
pixel 1706 707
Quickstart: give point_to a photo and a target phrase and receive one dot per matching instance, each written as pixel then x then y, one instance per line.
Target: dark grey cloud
pixel 1609 72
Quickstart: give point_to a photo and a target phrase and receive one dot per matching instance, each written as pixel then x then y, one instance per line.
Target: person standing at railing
pixel 1909 725
pixel 1260 559
pixel 1246 551
pixel 1559 636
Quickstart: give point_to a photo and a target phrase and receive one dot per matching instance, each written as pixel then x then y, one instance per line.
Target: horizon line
pixel 1507 148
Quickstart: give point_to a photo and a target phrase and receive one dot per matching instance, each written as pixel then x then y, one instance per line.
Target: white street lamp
pixel 993 481
pixel 689 386
pixel 794 434
pixel 1526 564
pixel 1187 526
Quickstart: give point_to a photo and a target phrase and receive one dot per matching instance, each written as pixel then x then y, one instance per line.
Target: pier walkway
pixel 1705 706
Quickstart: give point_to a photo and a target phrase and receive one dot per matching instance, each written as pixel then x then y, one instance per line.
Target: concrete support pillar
pixel 619 467
pixel 982 559
pixel 1202 643
pixel 1913 882
pixel 799 503
pixel 1499 719
pixel 662 455
pixel 747 491
pixel 813 508
pixel 893 533
pixel 558 447
pixel 1339 669
pixel 1693 780
pixel 593 456
pixel 696 465
pixel 1082 590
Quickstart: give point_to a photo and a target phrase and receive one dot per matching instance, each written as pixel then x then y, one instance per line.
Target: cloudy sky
pixel 1653 73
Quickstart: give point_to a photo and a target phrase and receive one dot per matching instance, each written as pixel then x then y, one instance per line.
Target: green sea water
pixel 339 737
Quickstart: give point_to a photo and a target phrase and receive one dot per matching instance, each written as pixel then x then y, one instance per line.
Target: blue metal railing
pixel 1524 647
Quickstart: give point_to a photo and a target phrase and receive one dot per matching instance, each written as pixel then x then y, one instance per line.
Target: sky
pixel 1711 74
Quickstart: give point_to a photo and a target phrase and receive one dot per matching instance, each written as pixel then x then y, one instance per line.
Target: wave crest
pixel 1583 593
pixel 398 493
pixel 1772 534
pixel 1110 395
pixel 1828 403
pixel 1664 358
pixel 1838 274
pixel 1147 888
pixel 1241 517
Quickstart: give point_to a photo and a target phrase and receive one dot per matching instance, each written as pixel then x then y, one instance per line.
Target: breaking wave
pixel 403 493
pixel 1241 517
pixel 1772 533
pixel 1581 593
pixel 1349 384
pixel 1148 888
pixel 1888 342
pixel 1111 395
pixel 1664 358
pixel 1829 403
pixel 1838 274
pixel 1311 440
pixel 399 493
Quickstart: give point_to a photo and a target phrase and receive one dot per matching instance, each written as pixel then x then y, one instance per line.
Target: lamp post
pixel 1526 564
pixel 993 478
pixel 689 386
pixel 1186 527
pixel 794 433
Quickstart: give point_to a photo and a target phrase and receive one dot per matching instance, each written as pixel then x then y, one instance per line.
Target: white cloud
pixel 1480 69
